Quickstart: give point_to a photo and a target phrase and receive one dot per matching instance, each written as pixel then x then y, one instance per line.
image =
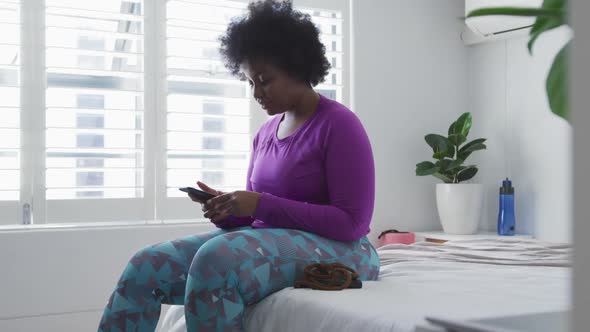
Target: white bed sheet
pixel 458 279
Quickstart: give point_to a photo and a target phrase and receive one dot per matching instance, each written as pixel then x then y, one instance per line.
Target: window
pixel 84 120
pixel 90 179
pixel 89 141
pixel 213 125
pixel 110 106
pixel 331 25
pixel 9 108
pixel 94 97
pixel 89 101
pixel 9 100
pixel 208 122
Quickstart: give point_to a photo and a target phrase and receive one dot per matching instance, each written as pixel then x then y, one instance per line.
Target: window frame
pixel 11 210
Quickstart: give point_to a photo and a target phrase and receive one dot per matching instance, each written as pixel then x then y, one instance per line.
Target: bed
pixel 468 279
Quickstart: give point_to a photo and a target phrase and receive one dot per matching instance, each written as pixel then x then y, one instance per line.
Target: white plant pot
pixel 459 207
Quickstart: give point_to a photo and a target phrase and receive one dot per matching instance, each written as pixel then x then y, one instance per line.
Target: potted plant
pixel 459 204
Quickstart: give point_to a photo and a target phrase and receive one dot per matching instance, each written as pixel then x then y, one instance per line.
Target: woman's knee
pixel 144 253
pixel 138 259
pixel 215 256
pixel 370 260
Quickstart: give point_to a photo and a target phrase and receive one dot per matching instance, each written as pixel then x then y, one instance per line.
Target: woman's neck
pixel 306 106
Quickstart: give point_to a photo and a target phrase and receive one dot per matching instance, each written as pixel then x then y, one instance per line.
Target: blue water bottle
pixel 506 212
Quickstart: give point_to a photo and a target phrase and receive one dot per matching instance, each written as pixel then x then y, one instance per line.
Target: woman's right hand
pixel 208 189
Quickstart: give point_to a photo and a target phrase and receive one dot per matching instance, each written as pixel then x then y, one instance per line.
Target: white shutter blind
pixel 330 23
pixel 94 99
pixel 208 115
pixel 9 100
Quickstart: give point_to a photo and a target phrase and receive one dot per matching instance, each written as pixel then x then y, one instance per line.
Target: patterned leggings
pixel 216 274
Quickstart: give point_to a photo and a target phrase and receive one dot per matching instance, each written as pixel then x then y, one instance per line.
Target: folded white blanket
pixel 504 251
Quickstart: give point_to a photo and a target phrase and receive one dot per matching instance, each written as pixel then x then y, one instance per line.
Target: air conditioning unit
pixel 490 28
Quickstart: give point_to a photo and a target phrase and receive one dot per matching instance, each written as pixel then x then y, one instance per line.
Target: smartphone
pixel 199 194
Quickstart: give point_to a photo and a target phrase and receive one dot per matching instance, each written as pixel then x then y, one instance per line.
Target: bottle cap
pixel 507 188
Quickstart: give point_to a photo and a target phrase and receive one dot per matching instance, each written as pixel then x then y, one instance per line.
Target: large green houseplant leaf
pixel 552 14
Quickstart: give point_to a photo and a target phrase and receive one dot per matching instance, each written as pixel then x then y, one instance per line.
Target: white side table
pixel 442 237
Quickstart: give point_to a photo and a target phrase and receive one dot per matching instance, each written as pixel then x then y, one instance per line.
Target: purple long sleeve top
pixel 320 179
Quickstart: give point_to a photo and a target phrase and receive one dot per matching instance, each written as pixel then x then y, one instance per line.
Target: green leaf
pixel 515 11
pixel 541 25
pixel 449 167
pixel 440 154
pixel 443 177
pixel 467 149
pixel 550 15
pixel 544 23
pixel 457 139
pixel 557 83
pixel 441 146
pixel 454 165
pixel 437 142
pixel 463 124
pixel 475 147
pixel 460 168
pixel 474 142
pixel 426 168
pixel 463 155
pixel 452 129
pixel 443 164
pixel 467 174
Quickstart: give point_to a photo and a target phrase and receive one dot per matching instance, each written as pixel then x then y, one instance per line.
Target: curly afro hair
pixel 273 31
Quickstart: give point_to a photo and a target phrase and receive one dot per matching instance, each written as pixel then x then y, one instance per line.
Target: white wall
pixel 409 81
pixel 412 76
pixel 526 142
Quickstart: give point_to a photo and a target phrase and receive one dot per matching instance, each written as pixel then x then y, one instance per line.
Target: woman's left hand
pixel 236 203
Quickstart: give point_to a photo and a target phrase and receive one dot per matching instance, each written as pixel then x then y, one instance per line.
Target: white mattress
pixel 458 279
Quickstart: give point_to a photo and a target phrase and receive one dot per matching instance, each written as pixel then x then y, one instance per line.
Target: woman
pixel 309 197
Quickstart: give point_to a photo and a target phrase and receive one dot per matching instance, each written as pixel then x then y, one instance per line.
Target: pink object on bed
pixel 394 236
